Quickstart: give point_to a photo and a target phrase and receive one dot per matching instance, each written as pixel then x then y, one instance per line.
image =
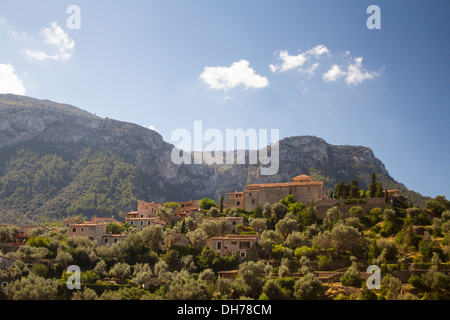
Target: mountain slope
pixel 57 160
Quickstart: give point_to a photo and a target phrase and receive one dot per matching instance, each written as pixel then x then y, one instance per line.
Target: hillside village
pixel 291 240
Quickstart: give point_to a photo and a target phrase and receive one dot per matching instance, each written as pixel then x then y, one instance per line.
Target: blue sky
pixel 303 67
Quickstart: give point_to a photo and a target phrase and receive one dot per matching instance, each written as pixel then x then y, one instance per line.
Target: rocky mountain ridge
pixel 47 128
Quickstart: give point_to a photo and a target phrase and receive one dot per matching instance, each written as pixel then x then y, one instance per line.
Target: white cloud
pixel 311 70
pixel 56 37
pixel 289 62
pixel 297 62
pixel 354 75
pixel 333 74
pixel 9 81
pixel 318 51
pixel 239 73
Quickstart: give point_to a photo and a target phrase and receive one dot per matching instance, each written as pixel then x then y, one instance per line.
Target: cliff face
pixel 46 128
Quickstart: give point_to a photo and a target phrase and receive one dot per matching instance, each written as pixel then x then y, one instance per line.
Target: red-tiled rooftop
pixel 284 184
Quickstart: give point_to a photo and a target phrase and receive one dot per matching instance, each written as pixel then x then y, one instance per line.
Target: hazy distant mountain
pixel 57 160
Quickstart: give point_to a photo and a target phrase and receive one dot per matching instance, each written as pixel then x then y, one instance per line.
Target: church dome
pixel 302 178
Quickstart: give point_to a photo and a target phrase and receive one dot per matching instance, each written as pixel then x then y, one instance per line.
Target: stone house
pixel 148 209
pixel 112 238
pixel 302 187
pixel 93 231
pixel 234 244
pixel 145 215
pixel 141 223
pixel 67 222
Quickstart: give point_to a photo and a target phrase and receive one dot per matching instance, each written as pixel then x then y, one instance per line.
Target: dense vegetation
pixel 43 188
pixel 410 245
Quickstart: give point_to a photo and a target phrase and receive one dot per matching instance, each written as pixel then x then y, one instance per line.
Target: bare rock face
pixel 64 129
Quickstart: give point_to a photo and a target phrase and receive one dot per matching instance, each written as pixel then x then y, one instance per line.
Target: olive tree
pixel 345 238
pixel 121 271
pixel 197 238
pixel 273 290
pixel 32 287
pixel 142 272
pixel 183 286
pixel 308 287
pixel 286 225
pixel 85 294
pixel 250 278
pixel 258 224
pixel 64 259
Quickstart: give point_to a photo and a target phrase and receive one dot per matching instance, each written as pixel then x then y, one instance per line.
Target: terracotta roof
pixel 284 184
pixel 241 192
pixel 88 224
pixel 222 218
pixel 236 237
pixel 228 272
pixel 115 235
pixel 302 177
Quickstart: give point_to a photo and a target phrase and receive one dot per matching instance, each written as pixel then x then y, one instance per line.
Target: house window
pixel 142 215
pixel 106 240
pixel 233 223
pixel 219 245
pixel 244 245
pixel 115 240
pixel 233 242
pixel 250 194
pixel 238 203
pixel 74 229
pixel 142 222
pixel 242 254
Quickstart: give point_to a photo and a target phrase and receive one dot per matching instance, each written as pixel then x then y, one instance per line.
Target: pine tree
pixel 354 189
pixel 379 193
pixel 183 227
pixel 221 204
pixel 373 186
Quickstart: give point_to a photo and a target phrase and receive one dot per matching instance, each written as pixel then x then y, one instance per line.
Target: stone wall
pixel 271 195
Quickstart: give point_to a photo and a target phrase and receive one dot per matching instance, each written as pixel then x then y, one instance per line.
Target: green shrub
pixel 324 262
pixel 304 252
pixel 40 270
pixel 416 281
